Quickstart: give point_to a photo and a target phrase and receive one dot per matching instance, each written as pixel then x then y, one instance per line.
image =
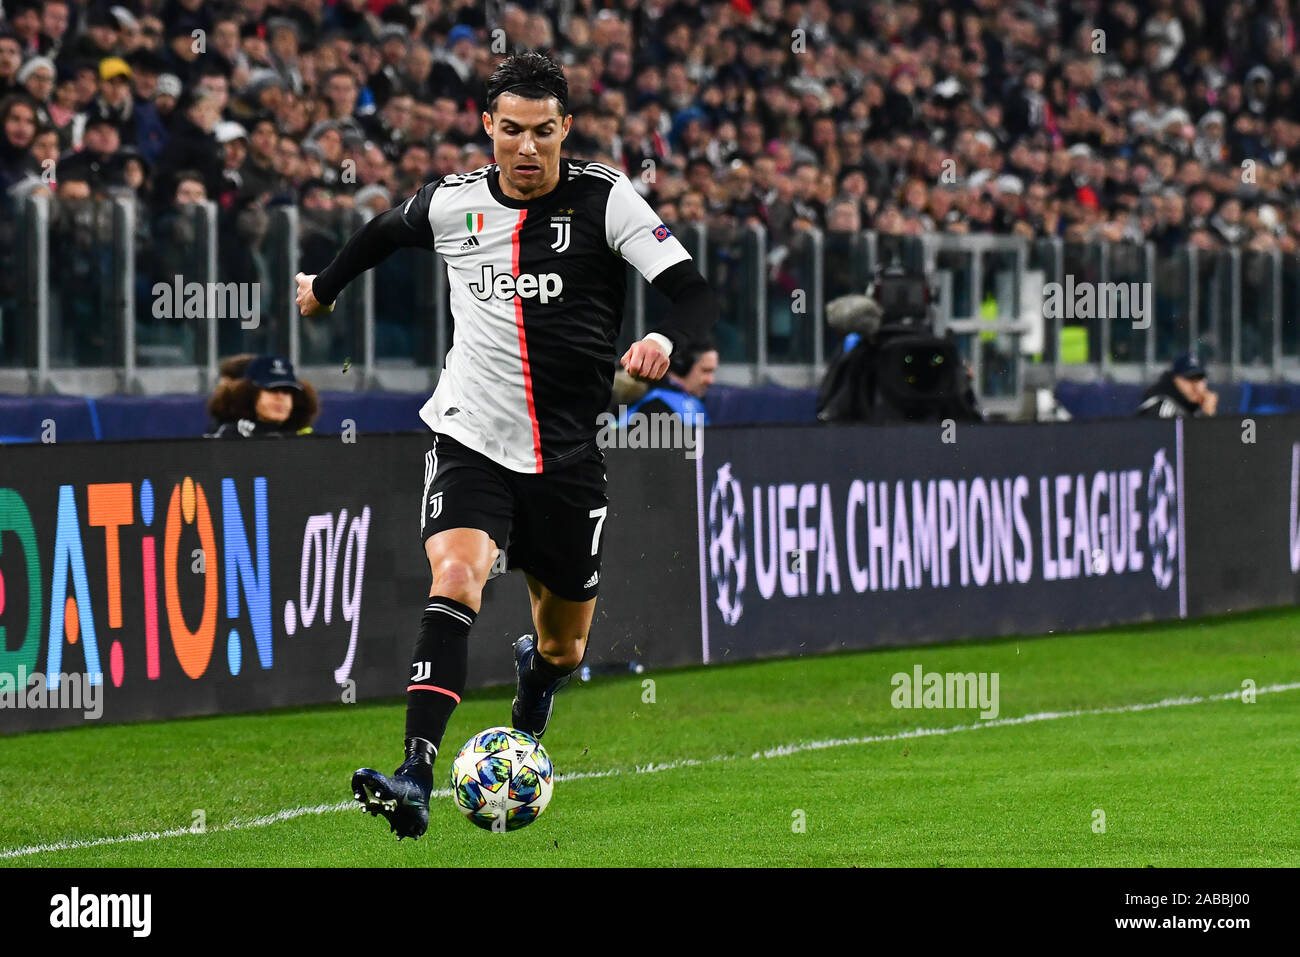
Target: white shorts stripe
pixel 430 471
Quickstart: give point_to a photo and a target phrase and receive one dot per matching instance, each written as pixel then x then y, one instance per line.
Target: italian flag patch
pixel 474 222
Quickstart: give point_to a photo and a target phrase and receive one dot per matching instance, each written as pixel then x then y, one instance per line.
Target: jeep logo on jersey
pixel 543 287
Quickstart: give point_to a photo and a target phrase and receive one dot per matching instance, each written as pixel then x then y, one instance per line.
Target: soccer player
pixel 535 246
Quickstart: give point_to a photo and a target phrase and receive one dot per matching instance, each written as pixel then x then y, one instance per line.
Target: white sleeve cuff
pixel 663 341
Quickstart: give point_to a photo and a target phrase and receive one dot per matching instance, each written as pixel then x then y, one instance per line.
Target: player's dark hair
pixel 532 75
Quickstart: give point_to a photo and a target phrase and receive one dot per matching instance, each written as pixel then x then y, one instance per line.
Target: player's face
pixel 526 137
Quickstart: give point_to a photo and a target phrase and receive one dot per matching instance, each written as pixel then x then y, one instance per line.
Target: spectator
pixel 690 375
pixel 37 79
pixel 45 151
pixel 11 61
pixel 167 96
pixel 453 73
pixel 99 39
pixel 55 18
pixel 260 180
pixel 191 146
pixel 1181 391
pixel 183 48
pixel 99 162
pixel 17 131
pixel 25 22
pixel 138 123
pixel 269 401
pixel 175 230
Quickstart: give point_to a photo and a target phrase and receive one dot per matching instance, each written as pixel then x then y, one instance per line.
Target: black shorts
pixel 551 525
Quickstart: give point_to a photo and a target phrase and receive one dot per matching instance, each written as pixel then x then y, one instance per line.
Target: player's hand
pixel 646 361
pixel 1210 404
pixel 307 303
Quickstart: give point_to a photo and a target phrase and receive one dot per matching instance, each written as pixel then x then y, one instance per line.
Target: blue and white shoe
pixel 531 710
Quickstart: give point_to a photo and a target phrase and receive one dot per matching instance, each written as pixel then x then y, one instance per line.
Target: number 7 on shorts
pixel 599 515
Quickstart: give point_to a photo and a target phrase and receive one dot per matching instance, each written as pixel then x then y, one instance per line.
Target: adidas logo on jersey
pixel 593 580
pixel 470 243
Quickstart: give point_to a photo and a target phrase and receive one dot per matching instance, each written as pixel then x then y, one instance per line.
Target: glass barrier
pixel 18 282
pixel 960 265
pixel 1045 257
pixel 999 366
pixel 406 308
pixel 1212 319
pixel 847 270
pixel 1080 336
pixel 85 270
pixel 172 276
pixel 1259 304
pixel 905 251
pixel 1233 306
pixel 999 294
pixel 733 271
pixel 1128 299
pixel 1291 305
pixel 279 291
pixel 791 298
pixel 335 338
pixel 1174 301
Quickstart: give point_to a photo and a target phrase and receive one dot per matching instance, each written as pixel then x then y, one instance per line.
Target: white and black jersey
pixel 537 291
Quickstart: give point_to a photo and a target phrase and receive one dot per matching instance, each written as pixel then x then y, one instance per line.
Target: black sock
pixel 542 674
pixel 419 762
pixel 439 669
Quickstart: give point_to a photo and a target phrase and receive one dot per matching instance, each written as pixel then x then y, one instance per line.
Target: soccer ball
pixel 501 779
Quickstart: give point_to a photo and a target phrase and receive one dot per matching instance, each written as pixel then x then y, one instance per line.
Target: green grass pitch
pixel 1208 782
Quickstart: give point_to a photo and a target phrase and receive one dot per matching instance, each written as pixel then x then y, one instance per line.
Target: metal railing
pixel 102 296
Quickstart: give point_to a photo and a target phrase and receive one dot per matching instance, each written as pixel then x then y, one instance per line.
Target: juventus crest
pixel 561 226
pixel 561 237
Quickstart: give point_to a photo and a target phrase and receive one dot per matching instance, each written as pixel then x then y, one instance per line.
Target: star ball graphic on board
pixel 1162 519
pixel 727 557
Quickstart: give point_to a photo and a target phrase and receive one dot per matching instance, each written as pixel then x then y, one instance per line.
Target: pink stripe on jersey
pixel 451 694
pixel 523 342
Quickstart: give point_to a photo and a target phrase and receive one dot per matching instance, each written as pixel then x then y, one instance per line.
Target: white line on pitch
pixel 652 768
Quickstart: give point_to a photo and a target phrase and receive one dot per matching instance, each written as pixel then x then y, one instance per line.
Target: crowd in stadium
pixel 1174 121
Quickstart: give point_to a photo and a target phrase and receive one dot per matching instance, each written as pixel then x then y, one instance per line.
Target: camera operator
pixel 890 366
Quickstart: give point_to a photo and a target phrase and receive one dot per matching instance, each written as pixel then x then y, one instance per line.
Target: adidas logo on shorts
pixel 591 582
